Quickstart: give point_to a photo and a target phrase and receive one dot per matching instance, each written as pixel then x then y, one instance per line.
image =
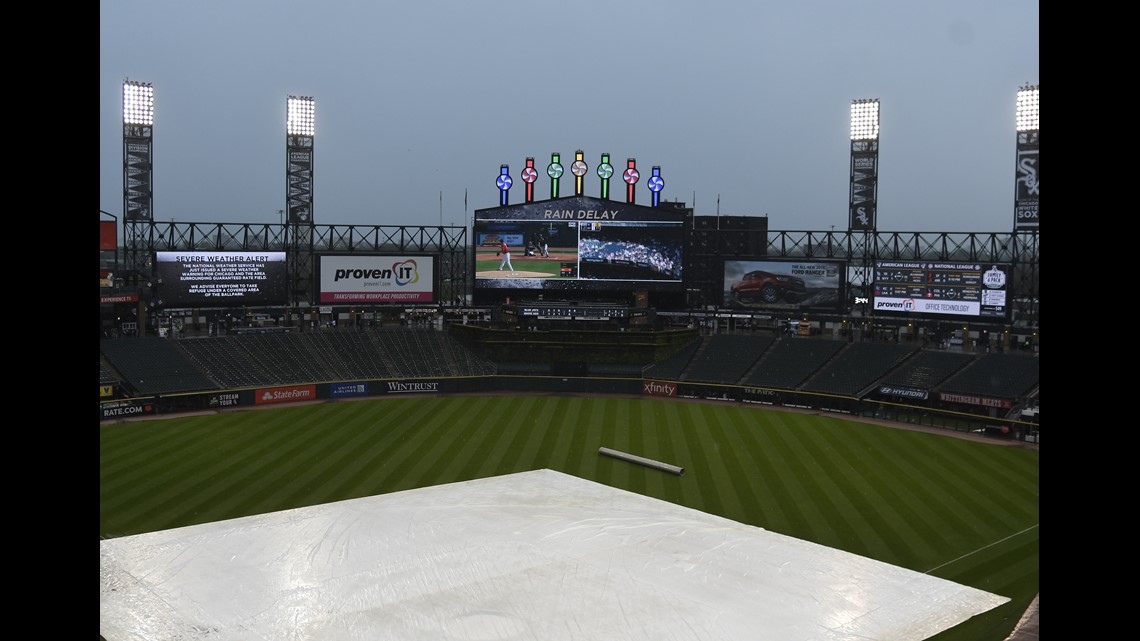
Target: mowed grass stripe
pixel 951 467
pixel 780 511
pixel 860 519
pixel 253 488
pixel 897 510
pixel 384 424
pixel 193 477
pixel 354 430
pixel 436 446
pixel 674 450
pixel 485 456
pixel 150 448
pixel 534 452
pixel 908 457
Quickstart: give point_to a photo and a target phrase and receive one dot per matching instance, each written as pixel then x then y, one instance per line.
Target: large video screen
pixel 221 279
pixel 579 244
pixel 784 285
pixel 376 279
pixel 957 289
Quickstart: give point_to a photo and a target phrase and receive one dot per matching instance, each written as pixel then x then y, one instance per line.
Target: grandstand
pixel 857 368
pixel 791 361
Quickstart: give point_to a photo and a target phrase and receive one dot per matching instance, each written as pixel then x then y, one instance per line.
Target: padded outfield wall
pixel 551 385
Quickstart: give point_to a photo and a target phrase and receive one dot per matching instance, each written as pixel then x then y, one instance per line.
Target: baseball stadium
pixel 577 417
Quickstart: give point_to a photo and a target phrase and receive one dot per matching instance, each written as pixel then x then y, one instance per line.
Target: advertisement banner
pixel 983 401
pixel 228 399
pixel 107 235
pixel 122 409
pixel 377 279
pixel 412 387
pixel 286 394
pixel 658 388
pixel 789 285
pixel 339 390
pixel 300 183
pixel 864 179
pixel 137 189
pixel 900 391
pixel 1027 214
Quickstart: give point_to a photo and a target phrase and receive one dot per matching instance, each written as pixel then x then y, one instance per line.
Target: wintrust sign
pixel 290 394
pixel 412 387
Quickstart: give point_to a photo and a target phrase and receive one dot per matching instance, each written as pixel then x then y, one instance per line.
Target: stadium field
pixel 962 510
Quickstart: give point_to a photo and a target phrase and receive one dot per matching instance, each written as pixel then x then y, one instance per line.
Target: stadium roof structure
pixel 536 555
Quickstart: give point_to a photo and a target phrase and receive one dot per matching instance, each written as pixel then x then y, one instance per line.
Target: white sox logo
pixel 861 214
pixel 1027 176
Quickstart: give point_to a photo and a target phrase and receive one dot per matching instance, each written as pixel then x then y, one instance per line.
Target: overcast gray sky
pixel 742 101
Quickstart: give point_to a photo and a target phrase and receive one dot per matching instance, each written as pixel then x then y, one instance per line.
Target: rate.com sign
pixel 377 279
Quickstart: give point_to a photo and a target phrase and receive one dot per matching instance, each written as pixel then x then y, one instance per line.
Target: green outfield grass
pixel 960 510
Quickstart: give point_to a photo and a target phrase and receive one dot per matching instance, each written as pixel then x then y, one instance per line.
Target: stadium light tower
pixel 138 168
pixel 864 165
pixel 300 130
pixel 1027 214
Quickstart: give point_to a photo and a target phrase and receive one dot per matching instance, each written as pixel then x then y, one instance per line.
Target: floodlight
pixel 301 120
pixel 1028 108
pixel 138 103
pixel 865 119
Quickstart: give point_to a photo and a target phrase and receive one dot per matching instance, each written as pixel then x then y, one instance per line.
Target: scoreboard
pixel 958 289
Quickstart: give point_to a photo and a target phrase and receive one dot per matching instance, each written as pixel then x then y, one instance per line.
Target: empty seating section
pixel 726 358
pixel 106 376
pixel 671 368
pixel 356 352
pixel 153 365
pixel 997 375
pixel 927 369
pixel 791 361
pixel 857 367
pixel 228 362
pixel 285 357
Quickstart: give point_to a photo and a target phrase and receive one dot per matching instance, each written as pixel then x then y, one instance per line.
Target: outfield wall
pixel 553 385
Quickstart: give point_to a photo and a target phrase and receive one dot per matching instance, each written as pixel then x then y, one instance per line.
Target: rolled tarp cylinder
pixel 640 460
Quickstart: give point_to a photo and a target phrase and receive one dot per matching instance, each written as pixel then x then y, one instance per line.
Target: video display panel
pixel 579 244
pixel 377 279
pixel 221 279
pixel 941 288
pixel 784 285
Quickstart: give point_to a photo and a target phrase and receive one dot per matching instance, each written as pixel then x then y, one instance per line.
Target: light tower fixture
pixel 864 180
pixel 138 134
pixel 300 129
pixel 138 103
pixel 1028 108
pixel 301 119
pixel 300 132
pixel 865 119
pixel 1027 171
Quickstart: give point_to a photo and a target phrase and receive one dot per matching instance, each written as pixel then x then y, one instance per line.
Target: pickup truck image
pixel 765 287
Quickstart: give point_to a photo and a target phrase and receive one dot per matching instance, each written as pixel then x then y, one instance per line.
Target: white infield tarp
pixel 534 556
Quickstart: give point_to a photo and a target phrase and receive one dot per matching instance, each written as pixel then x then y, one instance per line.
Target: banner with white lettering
pixel 124 409
pixel 1027 214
